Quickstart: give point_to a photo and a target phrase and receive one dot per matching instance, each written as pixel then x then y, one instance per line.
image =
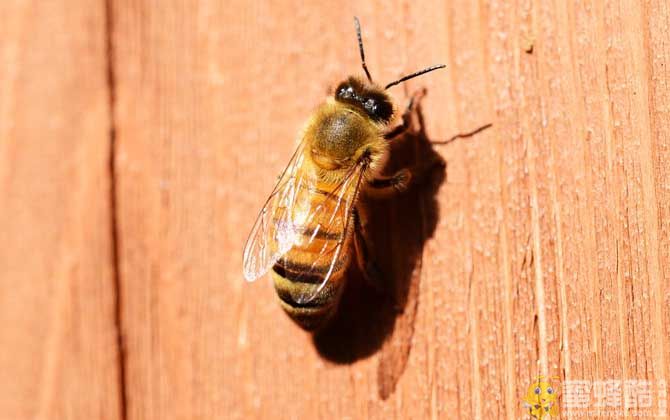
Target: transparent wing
pixel 273 233
pixel 322 232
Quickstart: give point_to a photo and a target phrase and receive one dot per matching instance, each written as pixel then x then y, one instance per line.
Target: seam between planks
pixel 113 200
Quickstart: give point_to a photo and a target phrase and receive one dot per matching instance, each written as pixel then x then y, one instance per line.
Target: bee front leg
pixel 406 116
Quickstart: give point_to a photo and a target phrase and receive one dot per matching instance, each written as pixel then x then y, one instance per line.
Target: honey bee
pixel 309 226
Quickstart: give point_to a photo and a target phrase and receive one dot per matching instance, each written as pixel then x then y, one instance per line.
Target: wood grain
pixel 542 248
pixel 551 244
pixel 59 356
pixel 550 253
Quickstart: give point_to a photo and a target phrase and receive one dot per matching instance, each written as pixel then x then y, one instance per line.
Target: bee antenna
pixel 413 75
pixel 360 47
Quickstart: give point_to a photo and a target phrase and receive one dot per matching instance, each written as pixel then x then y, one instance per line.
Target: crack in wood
pixel 113 200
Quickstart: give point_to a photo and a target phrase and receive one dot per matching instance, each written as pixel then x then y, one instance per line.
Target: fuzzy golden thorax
pixel 348 129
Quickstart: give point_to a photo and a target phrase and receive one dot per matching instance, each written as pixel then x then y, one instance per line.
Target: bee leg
pixel 406 116
pixel 384 187
pixel 391 185
pixel 367 263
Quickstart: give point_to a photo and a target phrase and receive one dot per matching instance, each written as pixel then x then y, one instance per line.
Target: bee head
pixel 367 98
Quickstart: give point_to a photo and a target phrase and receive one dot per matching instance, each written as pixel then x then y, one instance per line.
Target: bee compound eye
pixel 550 390
pixel 538 391
pixel 371 105
pixel 345 92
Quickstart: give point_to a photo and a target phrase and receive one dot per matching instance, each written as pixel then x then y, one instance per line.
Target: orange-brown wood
pixel 540 246
pixel 59 356
pixel 547 251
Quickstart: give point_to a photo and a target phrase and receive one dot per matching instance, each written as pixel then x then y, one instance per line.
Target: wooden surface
pixel 59 353
pixel 543 247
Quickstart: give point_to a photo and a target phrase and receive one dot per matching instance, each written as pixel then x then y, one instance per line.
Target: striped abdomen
pixel 301 271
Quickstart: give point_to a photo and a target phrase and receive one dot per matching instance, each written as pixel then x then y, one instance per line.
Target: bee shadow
pixel 373 318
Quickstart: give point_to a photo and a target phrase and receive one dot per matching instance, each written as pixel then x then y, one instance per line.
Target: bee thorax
pixel 339 135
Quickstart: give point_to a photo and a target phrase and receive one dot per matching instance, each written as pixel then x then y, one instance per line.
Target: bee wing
pixel 332 213
pixel 273 233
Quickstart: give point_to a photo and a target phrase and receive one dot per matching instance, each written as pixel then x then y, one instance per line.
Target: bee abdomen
pixel 290 281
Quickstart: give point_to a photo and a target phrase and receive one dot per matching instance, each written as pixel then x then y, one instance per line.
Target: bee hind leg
pixel 367 263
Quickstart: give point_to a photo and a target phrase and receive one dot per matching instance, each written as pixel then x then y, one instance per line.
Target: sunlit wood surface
pixel 138 140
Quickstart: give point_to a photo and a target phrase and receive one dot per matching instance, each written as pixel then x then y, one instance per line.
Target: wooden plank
pixel 542 250
pixel 59 356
